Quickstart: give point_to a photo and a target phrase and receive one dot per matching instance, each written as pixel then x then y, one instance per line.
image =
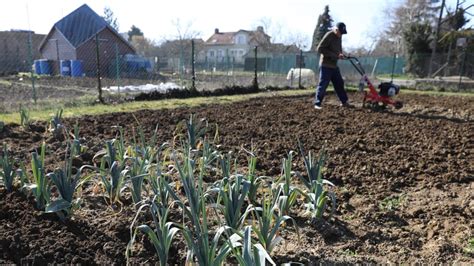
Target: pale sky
pixel 290 19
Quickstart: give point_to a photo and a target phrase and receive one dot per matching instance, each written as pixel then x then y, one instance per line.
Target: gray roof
pixel 81 25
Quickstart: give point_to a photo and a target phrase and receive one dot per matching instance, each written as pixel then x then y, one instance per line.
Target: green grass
pixel 86 105
pixel 5 82
pixel 439 93
pixel 45 110
pixel 396 76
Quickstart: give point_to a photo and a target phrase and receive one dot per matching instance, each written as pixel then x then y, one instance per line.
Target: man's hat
pixel 342 27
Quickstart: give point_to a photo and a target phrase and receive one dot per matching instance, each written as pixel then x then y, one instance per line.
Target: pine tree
pixel 417 37
pixel 324 25
pixel 134 31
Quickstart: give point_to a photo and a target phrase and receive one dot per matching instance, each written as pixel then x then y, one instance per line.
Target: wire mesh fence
pixel 62 67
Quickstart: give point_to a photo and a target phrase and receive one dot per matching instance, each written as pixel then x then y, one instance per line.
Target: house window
pixel 220 53
pixel 212 53
pixel 240 39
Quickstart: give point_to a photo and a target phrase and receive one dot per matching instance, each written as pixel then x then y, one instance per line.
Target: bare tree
pixel 272 28
pixel 184 30
pixel 301 40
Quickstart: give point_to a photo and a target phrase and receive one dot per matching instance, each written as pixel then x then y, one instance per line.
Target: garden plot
pixel 403 182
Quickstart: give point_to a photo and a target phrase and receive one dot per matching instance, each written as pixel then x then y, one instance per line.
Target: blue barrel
pixel 38 67
pixel 45 66
pixel 76 68
pixel 65 66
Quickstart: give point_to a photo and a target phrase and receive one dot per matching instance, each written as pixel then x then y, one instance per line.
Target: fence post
pixel 30 55
pixel 433 52
pixel 99 85
pixel 255 79
pixel 300 63
pixel 193 86
pixel 117 67
pixel 461 72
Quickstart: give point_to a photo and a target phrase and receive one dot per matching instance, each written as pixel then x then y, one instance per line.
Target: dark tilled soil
pixel 420 159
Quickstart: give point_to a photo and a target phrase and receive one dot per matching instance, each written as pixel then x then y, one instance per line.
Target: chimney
pixel 260 28
pixel 216 30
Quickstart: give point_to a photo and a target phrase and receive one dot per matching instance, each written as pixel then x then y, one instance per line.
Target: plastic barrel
pixel 38 67
pixel 65 66
pixel 45 67
pixel 76 68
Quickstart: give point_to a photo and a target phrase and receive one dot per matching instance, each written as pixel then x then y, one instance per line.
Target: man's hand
pixel 341 56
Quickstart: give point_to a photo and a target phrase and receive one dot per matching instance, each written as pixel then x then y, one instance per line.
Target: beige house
pixel 234 46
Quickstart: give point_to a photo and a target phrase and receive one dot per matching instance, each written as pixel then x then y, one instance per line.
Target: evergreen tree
pixel 417 38
pixel 110 18
pixel 323 26
pixel 134 31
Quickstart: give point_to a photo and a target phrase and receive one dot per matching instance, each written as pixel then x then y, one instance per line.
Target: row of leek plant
pixel 65 179
pixel 253 216
pixel 248 207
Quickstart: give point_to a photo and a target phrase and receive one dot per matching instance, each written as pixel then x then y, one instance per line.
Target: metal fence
pixel 41 68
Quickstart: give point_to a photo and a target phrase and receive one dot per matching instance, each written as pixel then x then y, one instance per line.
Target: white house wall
pixel 238 50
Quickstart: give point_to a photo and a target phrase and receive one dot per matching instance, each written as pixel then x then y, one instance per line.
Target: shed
pixel 74 38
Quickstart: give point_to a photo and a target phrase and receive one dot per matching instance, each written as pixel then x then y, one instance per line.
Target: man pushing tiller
pixel 330 49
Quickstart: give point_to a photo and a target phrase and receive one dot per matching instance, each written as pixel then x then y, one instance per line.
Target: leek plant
pixel 286 193
pixel 158 181
pixel 250 254
pixel 195 130
pixel 253 179
pixel 21 172
pixel 317 196
pixel 208 156
pixel 142 155
pixel 66 183
pixel 113 180
pixel 113 170
pixel 206 250
pixel 40 186
pixel 115 150
pixel 143 148
pixel 76 141
pixel 7 173
pixel 137 173
pixel 56 125
pixel 232 193
pixel 161 236
pixel 24 117
pixel 268 224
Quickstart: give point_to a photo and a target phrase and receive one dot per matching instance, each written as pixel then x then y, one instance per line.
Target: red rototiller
pixel 374 99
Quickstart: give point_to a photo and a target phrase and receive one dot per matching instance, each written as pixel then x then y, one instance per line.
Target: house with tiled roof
pixel 235 46
pixel 74 38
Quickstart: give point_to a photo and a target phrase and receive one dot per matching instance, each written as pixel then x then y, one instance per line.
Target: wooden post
pixel 99 85
pixel 193 86
pixel 255 79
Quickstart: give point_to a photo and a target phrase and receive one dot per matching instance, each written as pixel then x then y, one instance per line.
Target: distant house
pixel 224 46
pixel 15 50
pixel 74 38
